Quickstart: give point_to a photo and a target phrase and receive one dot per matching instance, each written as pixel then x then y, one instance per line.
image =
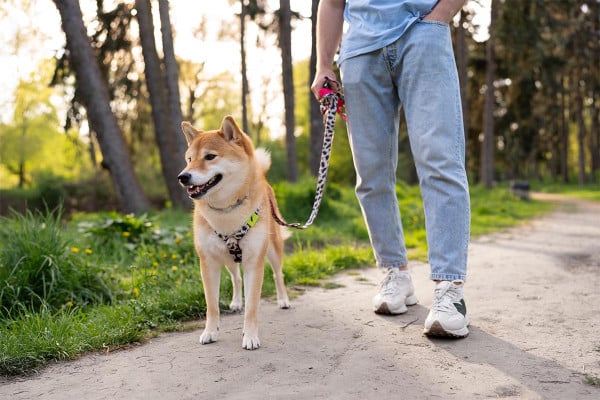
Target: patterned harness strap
pixel 331 102
pixel 233 241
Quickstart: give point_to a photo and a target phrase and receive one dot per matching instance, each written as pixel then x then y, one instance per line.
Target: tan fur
pixel 225 208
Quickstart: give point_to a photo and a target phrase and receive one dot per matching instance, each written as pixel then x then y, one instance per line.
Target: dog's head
pixel 214 158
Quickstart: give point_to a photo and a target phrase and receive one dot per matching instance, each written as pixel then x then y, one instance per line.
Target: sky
pixel 40 24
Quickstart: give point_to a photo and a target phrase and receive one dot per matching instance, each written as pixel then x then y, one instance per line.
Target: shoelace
pixel 391 282
pixel 445 295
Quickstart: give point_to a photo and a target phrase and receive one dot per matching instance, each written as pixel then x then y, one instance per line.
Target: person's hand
pixel 320 81
pixel 444 11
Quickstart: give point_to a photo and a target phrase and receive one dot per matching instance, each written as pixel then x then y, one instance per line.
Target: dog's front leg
pixel 211 279
pixel 253 278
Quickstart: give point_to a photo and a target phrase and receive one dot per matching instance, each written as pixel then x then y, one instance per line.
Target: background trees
pixel 530 93
pixel 94 96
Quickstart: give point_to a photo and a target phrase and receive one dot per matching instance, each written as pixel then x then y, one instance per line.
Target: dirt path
pixel 534 302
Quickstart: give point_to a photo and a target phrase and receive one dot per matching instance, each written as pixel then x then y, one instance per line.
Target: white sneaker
pixel 448 314
pixel 395 293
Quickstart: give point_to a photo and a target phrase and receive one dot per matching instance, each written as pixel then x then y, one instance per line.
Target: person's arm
pixel 330 23
pixel 445 10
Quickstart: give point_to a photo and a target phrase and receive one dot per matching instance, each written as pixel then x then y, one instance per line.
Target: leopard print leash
pixel 331 103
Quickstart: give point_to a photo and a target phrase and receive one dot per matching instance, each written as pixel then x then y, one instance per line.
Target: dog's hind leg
pixel 275 257
pixel 236 281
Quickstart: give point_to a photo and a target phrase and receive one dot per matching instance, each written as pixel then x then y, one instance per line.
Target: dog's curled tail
pixel 264 158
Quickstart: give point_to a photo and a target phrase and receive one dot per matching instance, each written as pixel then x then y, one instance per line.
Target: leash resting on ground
pixel 331 102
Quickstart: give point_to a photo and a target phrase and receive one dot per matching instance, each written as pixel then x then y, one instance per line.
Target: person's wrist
pixel 437 16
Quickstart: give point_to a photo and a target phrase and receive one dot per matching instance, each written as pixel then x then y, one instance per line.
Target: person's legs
pixel 429 91
pixel 372 106
pixel 372 109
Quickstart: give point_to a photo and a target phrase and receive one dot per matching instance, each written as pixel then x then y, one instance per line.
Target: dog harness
pixel 233 241
pixel 330 103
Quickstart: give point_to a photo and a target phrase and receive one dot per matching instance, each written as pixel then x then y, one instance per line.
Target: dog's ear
pixel 233 134
pixel 231 131
pixel 188 131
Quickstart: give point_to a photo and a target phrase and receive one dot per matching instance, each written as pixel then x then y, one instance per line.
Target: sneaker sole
pixel 385 310
pixel 436 330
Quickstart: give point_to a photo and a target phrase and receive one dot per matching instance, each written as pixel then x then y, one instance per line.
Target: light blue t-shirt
pixel 374 24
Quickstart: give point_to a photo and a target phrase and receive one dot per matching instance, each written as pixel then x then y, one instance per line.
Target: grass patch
pixel 587 192
pixel 104 280
pixel 496 209
pixel 38 268
pixel 591 380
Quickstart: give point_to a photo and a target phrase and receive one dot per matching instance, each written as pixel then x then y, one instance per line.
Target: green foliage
pixel 587 192
pixel 32 144
pixel 495 209
pixel 591 380
pixel 32 339
pixel 39 270
pixel 309 266
pixel 339 218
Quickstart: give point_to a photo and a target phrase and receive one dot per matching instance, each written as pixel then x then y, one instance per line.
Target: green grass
pixel 498 209
pixel 591 380
pixel 101 281
pixel 587 192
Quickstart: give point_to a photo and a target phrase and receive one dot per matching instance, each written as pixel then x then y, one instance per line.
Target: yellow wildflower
pixel 74 250
pixel 88 251
pixel 177 240
pixel 126 234
pixel 136 292
pixel 174 267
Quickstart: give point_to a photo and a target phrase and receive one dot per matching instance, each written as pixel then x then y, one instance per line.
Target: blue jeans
pixel 417 73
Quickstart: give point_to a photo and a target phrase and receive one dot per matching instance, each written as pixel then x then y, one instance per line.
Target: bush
pixel 38 268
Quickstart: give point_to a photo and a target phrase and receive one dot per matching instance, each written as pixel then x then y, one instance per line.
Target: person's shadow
pixel 544 376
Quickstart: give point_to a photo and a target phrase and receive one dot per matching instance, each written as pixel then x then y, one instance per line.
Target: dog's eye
pixel 209 157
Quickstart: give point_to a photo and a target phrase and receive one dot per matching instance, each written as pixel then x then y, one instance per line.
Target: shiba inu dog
pixel 233 221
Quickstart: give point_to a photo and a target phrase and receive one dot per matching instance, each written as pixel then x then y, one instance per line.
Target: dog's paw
pixel 208 336
pixel 235 306
pixel 250 342
pixel 284 303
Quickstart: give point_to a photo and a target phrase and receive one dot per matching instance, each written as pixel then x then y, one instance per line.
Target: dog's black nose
pixel 184 178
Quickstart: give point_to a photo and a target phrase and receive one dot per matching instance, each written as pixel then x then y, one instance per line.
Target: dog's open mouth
pixel 195 192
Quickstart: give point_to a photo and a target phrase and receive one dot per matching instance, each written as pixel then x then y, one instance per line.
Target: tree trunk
pixel 163 126
pixel 22 148
pixel 316 120
pixel 173 97
pixel 285 38
pixel 245 87
pixel 581 132
pixel 564 126
pixel 94 96
pixel 488 145
pixel 595 135
pixel 463 74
